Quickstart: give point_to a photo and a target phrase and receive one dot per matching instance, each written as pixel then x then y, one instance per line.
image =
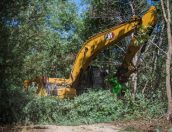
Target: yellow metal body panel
pixel 62 92
pixel 41 91
pixel 66 92
pixel 59 81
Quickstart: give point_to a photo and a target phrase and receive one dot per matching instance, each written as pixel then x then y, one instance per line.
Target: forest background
pixel 42 38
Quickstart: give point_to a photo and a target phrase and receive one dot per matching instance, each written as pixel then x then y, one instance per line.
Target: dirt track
pixel 119 126
pixel 103 127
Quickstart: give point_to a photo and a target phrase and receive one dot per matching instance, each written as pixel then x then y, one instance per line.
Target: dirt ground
pixel 118 126
pixel 103 127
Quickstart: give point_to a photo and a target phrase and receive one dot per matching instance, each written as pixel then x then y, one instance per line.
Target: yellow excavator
pixel 65 88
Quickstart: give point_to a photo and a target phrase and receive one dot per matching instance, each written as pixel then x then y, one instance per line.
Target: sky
pixel 151 2
pixel 78 1
pixel 82 8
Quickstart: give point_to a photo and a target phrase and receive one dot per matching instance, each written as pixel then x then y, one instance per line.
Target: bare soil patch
pixel 102 127
pixel 153 125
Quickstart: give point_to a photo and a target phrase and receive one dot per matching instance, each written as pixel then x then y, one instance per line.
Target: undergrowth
pixel 91 107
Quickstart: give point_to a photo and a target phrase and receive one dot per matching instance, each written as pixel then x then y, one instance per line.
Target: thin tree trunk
pixel 134 77
pixel 167 17
pixel 135 59
pixel 168 84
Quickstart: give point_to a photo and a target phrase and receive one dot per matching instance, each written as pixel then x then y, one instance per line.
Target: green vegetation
pixel 118 88
pixel 91 107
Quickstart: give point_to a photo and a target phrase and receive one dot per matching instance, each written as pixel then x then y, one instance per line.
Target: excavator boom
pixel 102 40
pixel 98 43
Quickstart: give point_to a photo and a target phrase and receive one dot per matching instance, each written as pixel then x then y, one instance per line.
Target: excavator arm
pixel 98 43
pixel 101 41
pixel 138 40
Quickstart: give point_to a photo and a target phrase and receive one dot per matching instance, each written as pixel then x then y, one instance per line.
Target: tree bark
pixel 168 83
pixel 167 17
pixel 134 77
pixel 135 59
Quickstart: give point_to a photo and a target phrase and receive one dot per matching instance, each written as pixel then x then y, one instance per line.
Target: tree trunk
pixel 167 17
pixel 134 75
pixel 134 78
pixel 168 61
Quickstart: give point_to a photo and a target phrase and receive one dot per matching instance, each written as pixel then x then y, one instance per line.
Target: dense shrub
pixel 91 107
pixel 13 100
